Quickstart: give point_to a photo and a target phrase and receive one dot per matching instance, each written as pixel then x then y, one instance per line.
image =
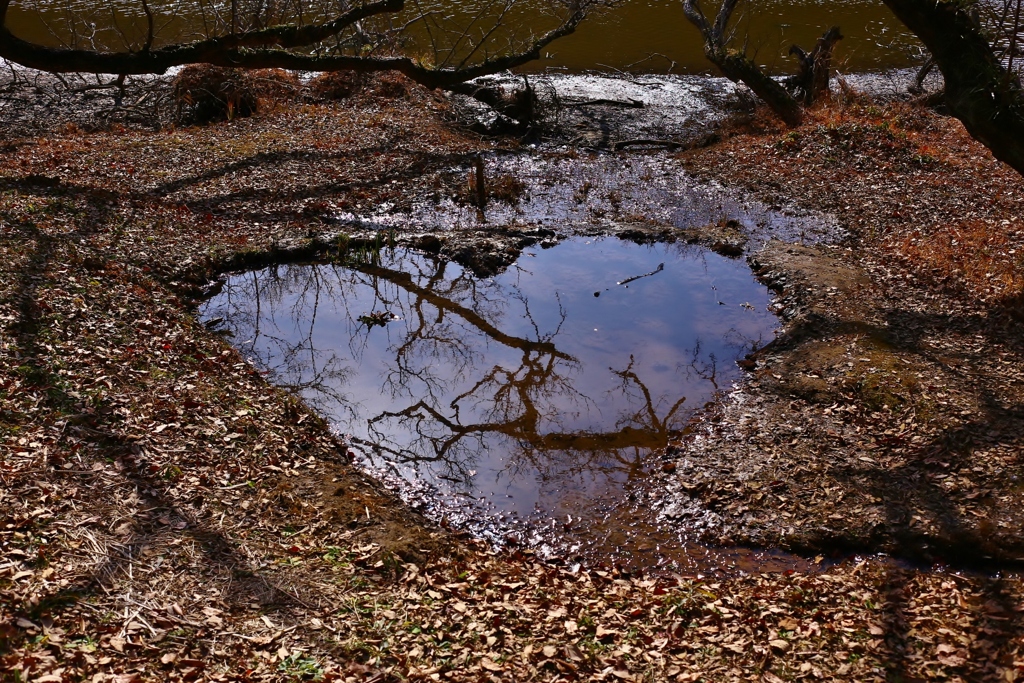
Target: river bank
pixel 169 514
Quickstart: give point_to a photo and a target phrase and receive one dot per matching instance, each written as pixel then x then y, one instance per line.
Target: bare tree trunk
pixel 987 98
pixel 481 186
pixel 815 69
pixel 736 66
pixel 918 86
pixel 1012 49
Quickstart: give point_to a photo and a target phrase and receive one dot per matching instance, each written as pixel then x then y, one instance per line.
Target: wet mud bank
pixel 526 406
pixel 886 416
pixel 852 434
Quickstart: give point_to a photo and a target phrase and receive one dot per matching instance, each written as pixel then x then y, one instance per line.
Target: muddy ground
pixel 169 515
pixel 888 416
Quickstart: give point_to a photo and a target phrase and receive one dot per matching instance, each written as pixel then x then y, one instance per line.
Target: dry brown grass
pixel 205 93
pixel 391 85
pixel 505 187
pixel 337 85
pixel 906 181
pixel 983 256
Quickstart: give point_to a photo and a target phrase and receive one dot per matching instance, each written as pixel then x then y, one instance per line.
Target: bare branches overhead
pixel 314 40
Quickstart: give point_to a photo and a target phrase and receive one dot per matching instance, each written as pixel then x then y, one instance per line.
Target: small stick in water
pixel 661 267
pixel 481 187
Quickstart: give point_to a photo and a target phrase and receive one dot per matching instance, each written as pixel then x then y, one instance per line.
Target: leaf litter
pixel 166 514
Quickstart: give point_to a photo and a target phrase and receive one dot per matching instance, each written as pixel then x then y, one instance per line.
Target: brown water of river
pixel 637 35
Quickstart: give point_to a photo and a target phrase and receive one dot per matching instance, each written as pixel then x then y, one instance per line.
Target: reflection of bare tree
pixel 703 366
pixel 518 409
pixel 457 382
pixel 290 358
pixel 647 414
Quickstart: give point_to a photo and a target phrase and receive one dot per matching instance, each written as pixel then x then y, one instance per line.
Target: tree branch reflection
pixel 468 373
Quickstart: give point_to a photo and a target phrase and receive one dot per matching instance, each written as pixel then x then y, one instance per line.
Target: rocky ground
pixel 166 514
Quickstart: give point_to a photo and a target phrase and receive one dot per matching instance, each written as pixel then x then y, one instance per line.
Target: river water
pixel 650 36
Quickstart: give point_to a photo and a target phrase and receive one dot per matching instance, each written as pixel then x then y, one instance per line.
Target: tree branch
pixel 269 48
pixel 696 17
pixel 736 66
pixel 149 26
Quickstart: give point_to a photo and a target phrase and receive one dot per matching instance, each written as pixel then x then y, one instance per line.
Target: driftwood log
pixel 288 46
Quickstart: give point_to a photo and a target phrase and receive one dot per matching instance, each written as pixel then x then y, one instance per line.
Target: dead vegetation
pixel 984 257
pixel 203 93
pixel 337 85
pixel 502 187
pixel 929 220
pixel 166 514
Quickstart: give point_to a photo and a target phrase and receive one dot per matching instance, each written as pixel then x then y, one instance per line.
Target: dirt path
pixel 168 515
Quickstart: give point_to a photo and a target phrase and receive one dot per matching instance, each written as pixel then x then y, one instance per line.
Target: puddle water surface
pixel 529 401
pixel 596 191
